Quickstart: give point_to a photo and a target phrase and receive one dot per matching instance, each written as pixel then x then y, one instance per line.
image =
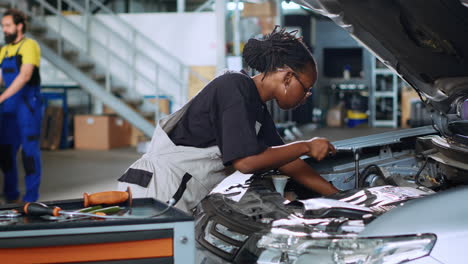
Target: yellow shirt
pixel 28 49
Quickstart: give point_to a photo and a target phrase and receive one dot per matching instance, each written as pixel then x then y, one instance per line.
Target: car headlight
pixel 287 248
pixel 217 242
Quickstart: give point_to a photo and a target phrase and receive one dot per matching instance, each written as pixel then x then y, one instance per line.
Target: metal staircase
pixel 89 50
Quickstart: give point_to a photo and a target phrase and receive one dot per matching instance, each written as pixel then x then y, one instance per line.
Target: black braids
pixel 276 50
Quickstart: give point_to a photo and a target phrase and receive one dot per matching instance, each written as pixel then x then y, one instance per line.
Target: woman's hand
pixel 319 148
pixel 278 156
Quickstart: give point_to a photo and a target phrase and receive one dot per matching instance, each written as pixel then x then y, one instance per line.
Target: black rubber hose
pixel 369 170
pixel 416 176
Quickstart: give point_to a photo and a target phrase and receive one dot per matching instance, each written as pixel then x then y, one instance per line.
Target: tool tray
pixel 165 239
pixel 141 207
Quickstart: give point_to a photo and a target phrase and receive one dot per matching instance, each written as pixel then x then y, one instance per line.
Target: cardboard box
pixel 336 115
pixel 195 84
pixel 267 24
pixel 137 136
pixel 101 132
pixel 408 96
pixel 108 111
pixel 164 105
pixel 267 8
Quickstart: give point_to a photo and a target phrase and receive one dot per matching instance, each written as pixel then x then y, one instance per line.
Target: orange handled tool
pixel 111 197
pixel 38 209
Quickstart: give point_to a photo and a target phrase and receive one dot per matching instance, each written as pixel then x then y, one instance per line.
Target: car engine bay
pixel 242 223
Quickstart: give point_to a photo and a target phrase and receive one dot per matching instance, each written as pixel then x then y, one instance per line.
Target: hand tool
pixel 111 197
pixel 97 211
pixel 63 217
pixel 9 213
pixel 88 209
pixel 40 209
pixel 356 153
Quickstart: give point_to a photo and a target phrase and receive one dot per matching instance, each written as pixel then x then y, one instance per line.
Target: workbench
pixel 165 239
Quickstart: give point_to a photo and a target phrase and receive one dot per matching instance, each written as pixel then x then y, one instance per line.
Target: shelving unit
pixel 383 99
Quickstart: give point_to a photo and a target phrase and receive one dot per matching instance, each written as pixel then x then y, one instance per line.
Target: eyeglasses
pixel 306 90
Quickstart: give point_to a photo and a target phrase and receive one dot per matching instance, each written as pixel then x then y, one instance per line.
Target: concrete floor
pixel 68 174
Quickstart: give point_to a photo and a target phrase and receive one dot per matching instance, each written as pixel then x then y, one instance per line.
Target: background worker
pixel 21 107
pixel 227 125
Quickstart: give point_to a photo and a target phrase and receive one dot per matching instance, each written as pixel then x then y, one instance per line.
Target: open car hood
pixel 423 41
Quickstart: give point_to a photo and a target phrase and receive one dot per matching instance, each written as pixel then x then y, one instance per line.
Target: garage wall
pixel 189 36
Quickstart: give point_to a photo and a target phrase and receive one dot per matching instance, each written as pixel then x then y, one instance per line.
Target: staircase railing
pixel 143 53
pixel 107 46
pixel 155 49
pixel 92 47
pixel 57 54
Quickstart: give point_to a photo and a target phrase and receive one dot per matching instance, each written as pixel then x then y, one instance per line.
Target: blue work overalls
pixel 21 116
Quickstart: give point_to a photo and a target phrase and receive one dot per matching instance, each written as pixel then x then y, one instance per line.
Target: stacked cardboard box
pixel 408 97
pixel 265 13
pixel 101 132
pixel 267 8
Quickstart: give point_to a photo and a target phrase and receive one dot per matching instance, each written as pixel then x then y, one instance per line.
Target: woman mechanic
pixel 227 126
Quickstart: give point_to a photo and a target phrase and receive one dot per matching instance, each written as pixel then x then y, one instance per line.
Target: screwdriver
pixel 40 209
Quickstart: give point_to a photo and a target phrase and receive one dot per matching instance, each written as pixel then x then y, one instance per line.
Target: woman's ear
pixel 288 78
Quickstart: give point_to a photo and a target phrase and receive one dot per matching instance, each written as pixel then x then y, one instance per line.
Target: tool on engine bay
pixel 356 154
pixel 110 197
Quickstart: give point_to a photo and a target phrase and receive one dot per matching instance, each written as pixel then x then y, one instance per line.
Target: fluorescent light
pixel 231 6
pixel 290 6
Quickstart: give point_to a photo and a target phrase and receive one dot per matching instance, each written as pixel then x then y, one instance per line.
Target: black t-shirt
pixel 228 113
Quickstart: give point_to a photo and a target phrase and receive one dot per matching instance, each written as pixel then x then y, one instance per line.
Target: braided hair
pixel 276 50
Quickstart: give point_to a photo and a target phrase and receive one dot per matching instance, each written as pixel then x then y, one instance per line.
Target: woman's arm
pixel 286 158
pixel 307 176
pixel 276 157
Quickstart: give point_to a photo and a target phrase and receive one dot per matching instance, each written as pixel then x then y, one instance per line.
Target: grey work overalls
pixel 169 163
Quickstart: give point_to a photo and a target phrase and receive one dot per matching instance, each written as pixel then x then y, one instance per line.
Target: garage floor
pixel 68 174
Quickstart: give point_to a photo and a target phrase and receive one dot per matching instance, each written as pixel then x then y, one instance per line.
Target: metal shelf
pixel 389 94
pixel 383 71
pixel 390 86
pixel 385 123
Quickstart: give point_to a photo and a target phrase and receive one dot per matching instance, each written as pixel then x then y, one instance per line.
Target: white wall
pixel 191 37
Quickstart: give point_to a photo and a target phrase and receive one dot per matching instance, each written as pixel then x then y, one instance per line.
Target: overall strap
pixel 21 45
pixel 17 51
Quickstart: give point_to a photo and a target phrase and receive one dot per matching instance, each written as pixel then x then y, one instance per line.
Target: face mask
pixel 10 38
